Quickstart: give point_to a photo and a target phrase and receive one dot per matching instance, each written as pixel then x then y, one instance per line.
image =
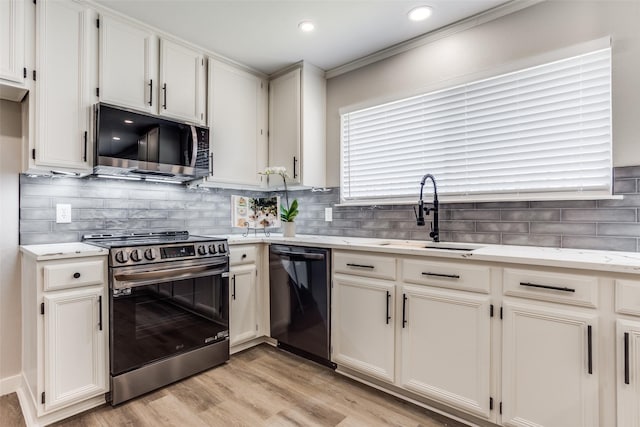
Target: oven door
pixel 161 311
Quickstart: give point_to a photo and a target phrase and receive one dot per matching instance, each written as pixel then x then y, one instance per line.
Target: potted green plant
pixel 289 212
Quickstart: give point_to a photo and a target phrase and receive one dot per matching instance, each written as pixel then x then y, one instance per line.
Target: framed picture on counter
pixel 255 212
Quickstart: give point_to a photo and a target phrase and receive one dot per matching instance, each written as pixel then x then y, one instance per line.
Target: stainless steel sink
pixel 444 246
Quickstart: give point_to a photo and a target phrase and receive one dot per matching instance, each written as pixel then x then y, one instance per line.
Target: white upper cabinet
pixel 297 102
pixel 64 66
pixel 238 122
pixel 182 82
pixel 12 40
pixel 284 123
pixel 140 71
pixel 128 62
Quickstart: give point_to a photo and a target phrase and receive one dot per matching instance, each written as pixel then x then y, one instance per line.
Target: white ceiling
pixel 263 34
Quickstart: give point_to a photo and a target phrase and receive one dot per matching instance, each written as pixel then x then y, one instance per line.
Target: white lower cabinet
pixel 628 372
pixel 364 325
pixel 65 319
pixel 446 347
pixel 248 298
pixel 74 346
pixel 243 316
pixel 549 370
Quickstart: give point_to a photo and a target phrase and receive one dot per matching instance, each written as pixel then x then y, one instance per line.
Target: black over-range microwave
pixel 136 145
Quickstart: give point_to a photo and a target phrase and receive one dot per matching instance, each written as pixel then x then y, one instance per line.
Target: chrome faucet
pixel 435 228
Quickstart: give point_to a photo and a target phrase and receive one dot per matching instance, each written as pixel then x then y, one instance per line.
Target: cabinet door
pixel 284 123
pixel 628 373
pixel 363 325
pixel 12 40
pixel 243 319
pixel 182 87
pixel 75 362
pixel 446 347
pixel 237 116
pixel 128 65
pixel 549 373
pixel 63 64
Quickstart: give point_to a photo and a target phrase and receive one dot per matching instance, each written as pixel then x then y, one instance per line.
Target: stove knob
pixel 221 248
pixel 202 250
pixel 212 249
pixel 148 254
pixel 121 257
pixel 135 255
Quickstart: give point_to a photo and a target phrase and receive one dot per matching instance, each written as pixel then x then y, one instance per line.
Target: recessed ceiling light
pixel 306 26
pixel 127 121
pixel 116 138
pixel 420 13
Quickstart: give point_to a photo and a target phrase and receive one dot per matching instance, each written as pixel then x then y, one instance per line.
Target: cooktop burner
pixel 144 239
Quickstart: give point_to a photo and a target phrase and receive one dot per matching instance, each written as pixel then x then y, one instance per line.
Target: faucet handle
pixel 419 215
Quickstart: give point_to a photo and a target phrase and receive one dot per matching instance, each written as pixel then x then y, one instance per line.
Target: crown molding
pixel 456 27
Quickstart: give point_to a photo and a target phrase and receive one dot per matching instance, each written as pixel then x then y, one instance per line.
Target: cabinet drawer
pixel 628 297
pixel 381 267
pixel 445 274
pixel 551 286
pixel 243 255
pixel 73 274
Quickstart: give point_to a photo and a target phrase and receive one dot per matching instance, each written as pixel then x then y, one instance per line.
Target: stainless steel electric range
pixel 168 308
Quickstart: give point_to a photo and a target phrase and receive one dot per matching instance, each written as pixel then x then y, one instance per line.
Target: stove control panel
pixel 162 253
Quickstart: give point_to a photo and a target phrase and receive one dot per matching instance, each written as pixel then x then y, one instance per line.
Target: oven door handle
pixel 139 279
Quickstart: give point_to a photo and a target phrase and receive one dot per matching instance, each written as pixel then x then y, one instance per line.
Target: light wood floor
pixel 262 386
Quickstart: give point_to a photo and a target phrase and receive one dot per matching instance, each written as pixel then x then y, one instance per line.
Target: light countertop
pixel 606 261
pixel 611 261
pixel 62 250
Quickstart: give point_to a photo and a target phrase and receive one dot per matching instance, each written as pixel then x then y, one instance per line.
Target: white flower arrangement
pixel 289 213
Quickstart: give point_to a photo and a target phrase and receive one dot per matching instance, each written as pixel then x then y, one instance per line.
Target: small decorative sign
pixel 255 212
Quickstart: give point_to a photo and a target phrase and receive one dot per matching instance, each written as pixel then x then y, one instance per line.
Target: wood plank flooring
pixel 262 386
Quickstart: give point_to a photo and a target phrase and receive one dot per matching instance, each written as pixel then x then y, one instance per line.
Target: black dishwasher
pixel 300 300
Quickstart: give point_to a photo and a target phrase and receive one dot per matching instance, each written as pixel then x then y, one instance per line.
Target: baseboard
pixel 10 384
pixel 461 417
pixel 237 348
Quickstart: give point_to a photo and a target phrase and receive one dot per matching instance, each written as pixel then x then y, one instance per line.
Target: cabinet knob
pixel 76 275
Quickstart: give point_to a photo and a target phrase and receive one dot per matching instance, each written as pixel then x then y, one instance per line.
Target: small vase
pixel 289 229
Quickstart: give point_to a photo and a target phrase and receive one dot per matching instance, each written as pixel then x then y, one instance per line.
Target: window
pixel 540 130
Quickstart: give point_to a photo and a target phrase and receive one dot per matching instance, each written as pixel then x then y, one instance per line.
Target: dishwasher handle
pixel 305 255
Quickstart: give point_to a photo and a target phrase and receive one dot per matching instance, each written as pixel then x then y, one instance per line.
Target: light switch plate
pixel 63 213
pixel 328 214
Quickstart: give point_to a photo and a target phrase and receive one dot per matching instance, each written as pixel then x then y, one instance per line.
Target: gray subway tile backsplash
pixel 100 206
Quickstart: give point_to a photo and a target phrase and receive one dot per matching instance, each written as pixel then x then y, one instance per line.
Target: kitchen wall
pixel 117 206
pixel 10 314
pixel 100 205
pixel 500 44
pixel 582 224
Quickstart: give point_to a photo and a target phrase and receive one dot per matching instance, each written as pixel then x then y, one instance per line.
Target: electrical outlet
pixel 328 214
pixel 63 213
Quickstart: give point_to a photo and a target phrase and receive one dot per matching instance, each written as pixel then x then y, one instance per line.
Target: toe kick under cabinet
pixel 65 334
pixel 494 343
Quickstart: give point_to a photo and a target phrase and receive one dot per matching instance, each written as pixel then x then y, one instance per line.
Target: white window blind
pixel 537 130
